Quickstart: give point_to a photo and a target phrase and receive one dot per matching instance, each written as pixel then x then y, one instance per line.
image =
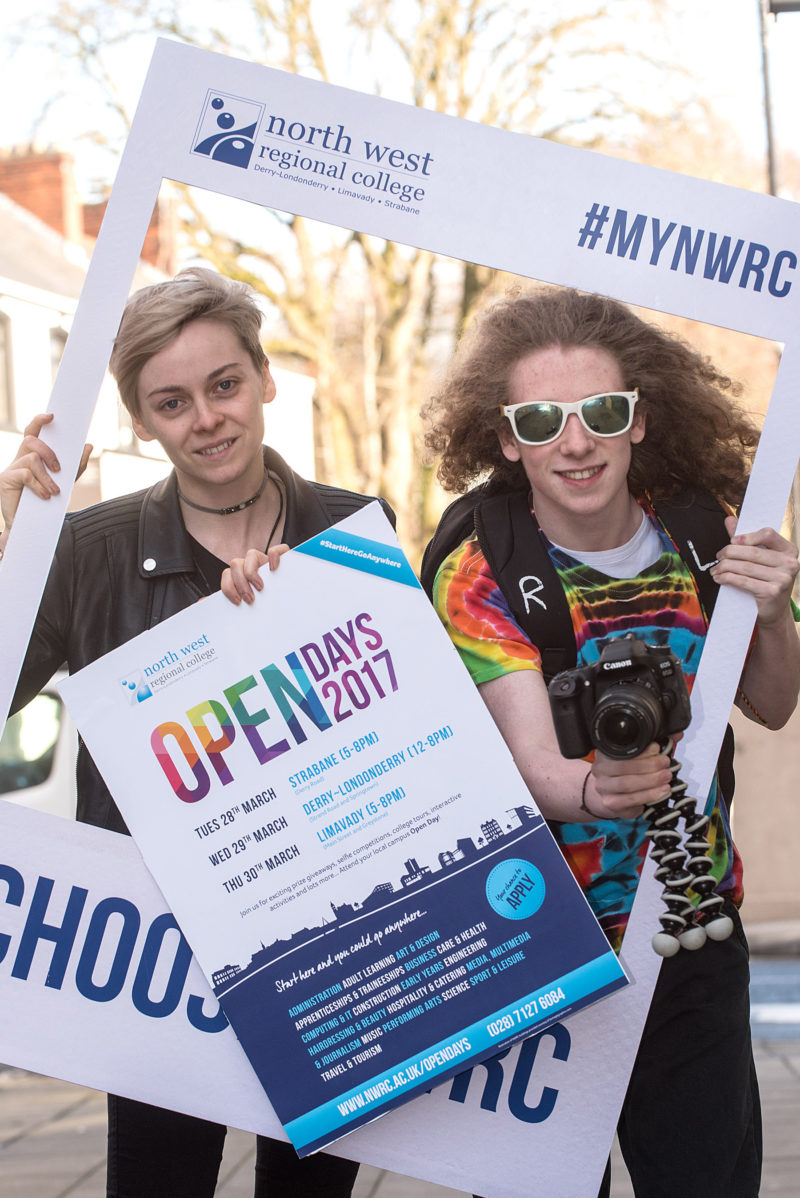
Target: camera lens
pixel 625 720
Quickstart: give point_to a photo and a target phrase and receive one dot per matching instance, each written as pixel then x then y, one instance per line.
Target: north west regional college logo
pixel 227 129
pixel 136 687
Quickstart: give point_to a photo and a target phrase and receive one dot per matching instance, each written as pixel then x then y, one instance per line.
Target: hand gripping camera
pixel 632 695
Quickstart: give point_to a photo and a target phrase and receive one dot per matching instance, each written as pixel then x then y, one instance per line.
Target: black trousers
pixel 691 1120
pixel 153 1153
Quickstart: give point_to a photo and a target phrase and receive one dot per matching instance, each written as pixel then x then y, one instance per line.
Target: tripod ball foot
pixel 692 938
pixel 719 928
pixel 665 945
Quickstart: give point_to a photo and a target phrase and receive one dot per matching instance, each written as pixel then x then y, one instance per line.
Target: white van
pixel 38 749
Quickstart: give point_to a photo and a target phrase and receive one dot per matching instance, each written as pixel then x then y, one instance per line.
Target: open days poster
pixel 341 832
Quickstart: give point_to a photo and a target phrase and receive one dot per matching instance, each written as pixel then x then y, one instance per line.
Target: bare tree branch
pixel 362 315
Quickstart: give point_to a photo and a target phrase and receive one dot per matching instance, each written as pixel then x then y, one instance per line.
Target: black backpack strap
pixel 457 523
pixel 696 522
pixel 512 544
pixel 725 772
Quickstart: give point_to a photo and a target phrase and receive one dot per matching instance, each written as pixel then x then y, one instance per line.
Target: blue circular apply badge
pixel 515 889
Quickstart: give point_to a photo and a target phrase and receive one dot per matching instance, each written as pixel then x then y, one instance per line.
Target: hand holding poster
pixel 324 821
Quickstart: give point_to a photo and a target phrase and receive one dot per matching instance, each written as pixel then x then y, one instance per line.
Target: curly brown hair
pixel 696 432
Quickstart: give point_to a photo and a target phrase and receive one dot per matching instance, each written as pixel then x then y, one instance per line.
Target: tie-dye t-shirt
pixel 661 607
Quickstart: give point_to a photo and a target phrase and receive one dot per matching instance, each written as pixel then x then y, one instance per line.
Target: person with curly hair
pixel 593 418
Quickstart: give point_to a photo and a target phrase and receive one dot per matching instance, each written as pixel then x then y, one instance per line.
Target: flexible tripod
pixel 681 866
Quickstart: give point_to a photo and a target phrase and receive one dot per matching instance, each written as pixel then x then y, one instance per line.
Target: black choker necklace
pixel 228 511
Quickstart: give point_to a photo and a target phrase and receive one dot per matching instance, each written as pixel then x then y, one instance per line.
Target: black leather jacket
pixel 122 567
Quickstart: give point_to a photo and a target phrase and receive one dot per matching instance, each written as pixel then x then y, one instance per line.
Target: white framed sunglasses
pixel 541 421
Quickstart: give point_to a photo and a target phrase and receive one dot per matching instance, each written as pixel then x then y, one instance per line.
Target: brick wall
pixel 43 182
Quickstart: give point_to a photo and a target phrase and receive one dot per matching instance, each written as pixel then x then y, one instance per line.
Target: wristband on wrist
pixel 584 806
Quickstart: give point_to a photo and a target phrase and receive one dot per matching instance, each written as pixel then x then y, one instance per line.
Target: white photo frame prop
pixel 655 239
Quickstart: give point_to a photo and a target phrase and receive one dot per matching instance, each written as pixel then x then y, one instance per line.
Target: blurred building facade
pixel 46 239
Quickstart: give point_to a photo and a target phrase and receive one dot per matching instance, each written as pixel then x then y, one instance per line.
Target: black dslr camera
pixel 632 695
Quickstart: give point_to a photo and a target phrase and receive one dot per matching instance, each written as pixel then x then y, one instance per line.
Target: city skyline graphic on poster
pixel 466 853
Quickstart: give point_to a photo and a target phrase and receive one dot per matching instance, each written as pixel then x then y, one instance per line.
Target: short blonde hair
pixel 154 317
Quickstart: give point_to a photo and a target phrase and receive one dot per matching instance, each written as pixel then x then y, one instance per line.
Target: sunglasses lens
pixel 607 415
pixel 538 422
